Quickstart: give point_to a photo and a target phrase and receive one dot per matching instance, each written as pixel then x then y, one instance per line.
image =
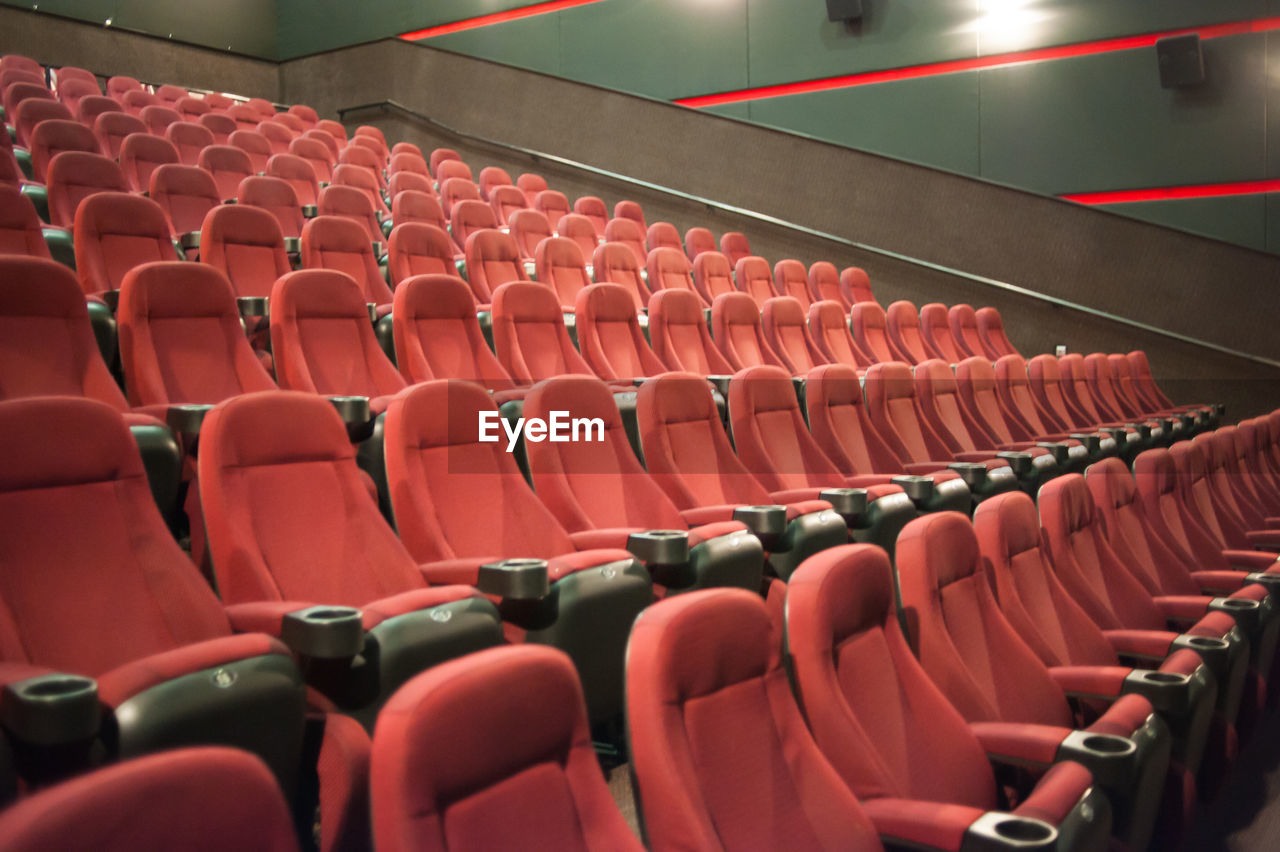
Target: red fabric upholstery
pixel 52 137
pixel 453 169
pixel 995 344
pixel 841 426
pixel 350 202
pixel 29 105
pixel 679 334
pixel 439 155
pixel 170 94
pixel 407 161
pixel 219 124
pixel 437 336
pixel 119 84
pixel 964 329
pixel 277 198
pixel 299 174
pixel 158 118
pixel 935 331
pixel 560 266
pixel 1045 378
pixel 615 263
pixel 669 269
pixel 529 336
pixel 630 210
pixel 415 205
pixel 529 228
pixel 75 177
pixel 245 243
pixel 856 285
pixel 505 200
pixel 662 235
pixel 362 180
pixel 594 210
pixel 938 399
pixel 629 233
pixel 721 755
pixel 609 335
pixel 890 397
pixel 829 327
pixel 468 216
pixel 492 260
pixel 181 339
pixel 140 154
pixel 323 341
pixel 92 106
pixel 530 184
pixel 697 240
pixel 366 161
pixel 190 139
pixel 792 279
pixel 870 330
pixel 191 108
pixel 418 248
pixel 208 799
pixel 185 194
pixel 735 246
pixel 579 229
pixel 784 326
pixel 902 324
pixel 245 117
pixel 541 785
pixel 255 145
pixel 317 155
pixel 277 134
pixel 136 101
pixel 339 244
pixel 751 275
pixel 976 383
pixel 824 285
pixel 20 227
pixel 114 233
pixel 112 127
pixel 712 275
pixel 736 327
pixel 552 204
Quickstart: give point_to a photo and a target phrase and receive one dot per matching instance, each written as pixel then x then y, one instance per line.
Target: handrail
pixel 396 106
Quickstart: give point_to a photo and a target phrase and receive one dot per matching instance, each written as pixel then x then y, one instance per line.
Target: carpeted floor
pixel 1245 816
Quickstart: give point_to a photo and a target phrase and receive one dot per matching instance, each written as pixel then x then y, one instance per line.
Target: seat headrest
pixel 559 251
pixel 1012 369
pixel 893 380
pixel 833 384
pixel 1111 483
pixel 58 441
pixel 39 287
pixel 846 590
pixel 344 199
pixel 977 372
pixel 783 310
pixel 528 301
pixel 666 260
pixel 490 244
pixel 273 428
pixel 606 302
pixel 240 224
pixel 963 315
pixel 318 293
pixel 1009 522
pixel 174 288
pixel 290 166
pixel 582 396
pixel 943 546
pixel 677 398
pixel 440 413
pixel 934 377
pixel 434 297
pixel 1156 466
pixel 711 263
pixel 751 267
pixel 868 315
pixel 825 314
pixel 1065 503
pixel 763 388
pixel 737 309
pixel 677 307
pixel 989 319
pixel 177 179
pixel 336 233
pixel 902 314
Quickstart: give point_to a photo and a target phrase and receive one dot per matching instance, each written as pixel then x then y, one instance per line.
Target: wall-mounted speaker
pixel 844 10
pixel 1181 61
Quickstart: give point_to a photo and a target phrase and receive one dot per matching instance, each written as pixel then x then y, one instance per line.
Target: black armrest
pixel 974 474
pixel 1143 429
pixel 766 523
pixel 996 831
pixel 309 211
pixel 721 384
pixel 1020 462
pixel 514 579
pixel 324 632
pixel 252 306
pixel 849 503
pixel 1113 760
pixel 1092 441
pixel 660 547
pixel 1061 452
pixel 51 709
pixel 1245 611
pixel 186 419
pixel 918 488
pixel 189 240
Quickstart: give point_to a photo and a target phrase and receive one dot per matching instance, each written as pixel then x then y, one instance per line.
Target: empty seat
pixel 437 335
pixel 314 152
pixel 594 210
pixel 1147 389
pixel 192 108
pixel 140 155
pixel 10 172
pixel 492 177
pixel 194 789
pixel 135 101
pixel 669 269
pixel 712 275
pixel 405 181
pixel 614 263
pixel 255 145
pixel 552 204
pixel 112 127
pixel 54 136
pixel 453 169
pixel 25 63
pixel 245 117
pixel 439 155
pixel 578 228
pixel 902 325
pixel 416 248
pixel 407 161
pixel 663 235
pixel 356 178
pixel 935 332
pixel 751 275
pixel 735 246
pixel 856 285
pixel 170 93
pixel 338 243
pixel 278 136
pixel 530 185
pixel 784 326
pixel 221 126
pixel 114 233
pixel 736 328
pixel 1029 420
pixel 470 216
pixel 541 778
pixel 276 197
pixel 824 284
pixel 462 499
pixel 609 335
pixel 159 118
pixel 291 123
pixel 367 161
pixel 190 139
pixel 991 335
pixel 505 200
pixel 20 226
pixel 368 131
pixel 299 174
pixel 964 328
pixel 13 74
pixel 630 234
pixel 716 734
pixel 697 240
pixel 228 164
pixel 407 148
pixel 870 330
pixel 630 210
pixel 528 228
pixel 185 194
pixel 976 383
pixel 529 334
pixel 791 279
pixel 680 337
pixel 829 327
pixel 181 341
pixel 89 108
pixel 305 114
pixel 244 242
pixel 17 93
pixel 332 134
pixel 560 266
pixel 119 84
pixel 492 260
pixel 75 86
pixel 348 202
pixel 25 114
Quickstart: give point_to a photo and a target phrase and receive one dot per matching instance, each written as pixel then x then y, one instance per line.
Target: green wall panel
pixel 1273 223
pixel 1236 219
pixel 532 43
pixel 932 121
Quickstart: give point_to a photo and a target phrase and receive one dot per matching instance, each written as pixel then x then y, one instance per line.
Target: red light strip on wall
pixel 1173 193
pixel 495 18
pixel 953 66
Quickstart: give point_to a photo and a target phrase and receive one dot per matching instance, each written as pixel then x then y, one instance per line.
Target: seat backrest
pixel 530 769
pixel 662 235
pixel 112 127
pixel 615 263
pixel 180 337
pixel 300 175
pixel 595 212
pixel 83 813
pixel 413 205
pixel 735 324
pixel 25 114
pixel 751 275
pixel 492 261
pixel 995 344
pixel 935 330
pixel 1023 414
pixel 560 266
pixel 1125 388
pixel 841 426
pixel 938 399
pixel 246 244
pixel 437 335
pixel 159 118
pixel 784 325
pixel 1145 382
pixel 735 246
pixel 870 330
pixel 712 275
pixel 1045 377
pixel 770 434
pixel 456 189
pixel 470 216
pixel 669 269
pixel 685 446
pixel 407 161
pixel 438 471
pixel 697 240
pixel 286 509
pixel 824 284
pixel 529 336
pixel 609 334
pixel 339 243
pixel 47 347
pixel 191 107
pixel 119 84
pixel 277 198
pixel 322 339
pixel 528 228
pixel 889 391
pixel 531 185
pixel 439 155
pixel 1171 517
pixel 367 161
pixel 89 108
pixel 492 177
pixel 407 148
pixel 329 133
pixel 829 328
pixel 53 136
pixel 453 169
pixel 791 279
pixel 856 285
pixel 1103 386
pixel 350 177
pixel 861 687
pixel 964 328
pixel 416 248
pixel 136 100
pixel 629 233
pixel 630 210
pixel 333 129
pixel 190 139
pixel 576 227
pixel 140 155
pixel 317 155
pixel 352 203
pixel 219 124
pixel 717 734
pixel 1076 388
pixel 505 200
pixel 115 232
pixel 552 204
pixel 185 194
pixel 20 227
pixel 680 337
pixel 902 324
pixel 228 164
pixel 255 145
pixel 245 117
pixel 976 386
pixel 278 135
pixel 962 639
pixel 75 84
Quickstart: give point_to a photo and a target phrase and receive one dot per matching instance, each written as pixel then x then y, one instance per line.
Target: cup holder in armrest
pixel 186 419
pixel 352 409
pixel 918 488
pixel 1061 452
pixel 309 211
pixel 1168 692
pixel 1118 434
pixel 514 579
pixel 849 503
pixel 660 547
pixel 1216 653
pixel 1092 442
pixel 324 632
pixel 52 709
pixel 1113 760
pixel 1166 424
pixel 1271 582
pixel 721 383
pixel 1188 421
pixel 974 474
pixel 1245 611
pixel 189 240
pixel 252 306
pixel 767 523
pixel 994 831
pixel 293 245
pixel 1020 462
pixel 1143 429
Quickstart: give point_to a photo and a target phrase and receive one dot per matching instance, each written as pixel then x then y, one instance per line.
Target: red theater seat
pixel 189 138
pixel 185 195
pixel 680 337
pixel 255 145
pixel 451 169
pixel 560 266
pixel 351 203
pixel 615 263
pixel 712 275
pixel 112 127
pixel 594 210
pixel 824 285
pixel 579 229
pixel 411 205
pixel 277 198
pixel 20 227
pixel 829 327
pixel 159 118
pixel 300 175
pixel 902 324
pixel 114 233
pixel 229 165
pixel 52 137
pixel 244 243
pixel 784 326
pixel 663 235
pixel 505 200
pixel 316 153
pixel 735 246
pixel 630 234
pixel 791 279
pixel 609 335
pixel 354 177
pixel 669 269
pixel 697 240
pixel 416 248
pixel 964 328
pixel 467 217
pixel 140 155
pixel 630 210
pixel 995 344
pixel 528 228
pixel 136 100
pixel 341 244
pixel 870 330
pixel 220 125
pixel 751 275
pixel 529 335
pixel 25 114
pixel 439 155
pixel 492 177
pixel 552 204
pixel 530 184
pixel 735 325
pixel 492 261
pixel 935 330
